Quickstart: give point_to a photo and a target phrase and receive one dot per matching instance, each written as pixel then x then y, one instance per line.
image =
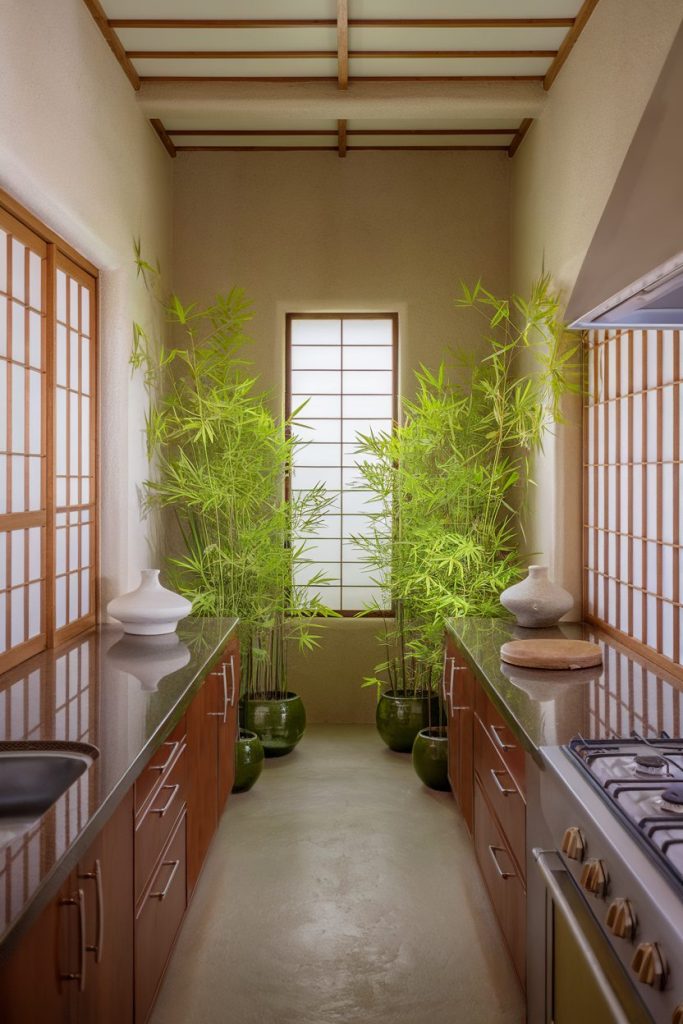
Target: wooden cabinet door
pixel 459 693
pixel 228 725
pixel 203 716
pixel 39 981
pixel 105 876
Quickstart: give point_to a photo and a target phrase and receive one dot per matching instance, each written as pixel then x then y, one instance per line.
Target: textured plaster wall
pixel 311 232
pixel 79 153
pixel 562 177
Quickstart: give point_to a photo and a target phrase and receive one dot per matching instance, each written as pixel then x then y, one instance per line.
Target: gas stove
pixel 642 780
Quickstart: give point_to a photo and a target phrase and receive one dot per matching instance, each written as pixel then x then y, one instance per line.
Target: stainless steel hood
pixel 633 271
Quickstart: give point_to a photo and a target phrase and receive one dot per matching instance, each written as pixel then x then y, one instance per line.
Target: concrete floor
pixel 340 890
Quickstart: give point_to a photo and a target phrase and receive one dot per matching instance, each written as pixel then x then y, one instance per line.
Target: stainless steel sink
pixel 33 776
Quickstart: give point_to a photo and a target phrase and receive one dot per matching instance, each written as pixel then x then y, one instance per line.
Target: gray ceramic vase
pixel 536 601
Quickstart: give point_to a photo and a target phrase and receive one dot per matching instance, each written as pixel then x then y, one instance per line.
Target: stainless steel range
pixel 606 883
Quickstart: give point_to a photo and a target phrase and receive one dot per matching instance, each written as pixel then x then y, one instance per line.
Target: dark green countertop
pixel 118 693
pixel 546 708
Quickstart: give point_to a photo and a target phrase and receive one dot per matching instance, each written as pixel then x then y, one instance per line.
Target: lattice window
pixel 345 365
pixel 632 506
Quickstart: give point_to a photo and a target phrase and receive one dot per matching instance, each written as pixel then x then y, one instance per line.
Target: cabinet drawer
pixel 502 737
pixel 504 797
pixel 502 880
pixel 158 920
pixel 159 765
pixel 154 826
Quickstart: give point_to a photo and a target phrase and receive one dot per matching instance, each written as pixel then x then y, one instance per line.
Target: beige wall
pixel 311 232
pixel 77 151
pixel 562 177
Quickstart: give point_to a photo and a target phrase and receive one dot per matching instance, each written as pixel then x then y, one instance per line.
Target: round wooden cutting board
pixel 551 654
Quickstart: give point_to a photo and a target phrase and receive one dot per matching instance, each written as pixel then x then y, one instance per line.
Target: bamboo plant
pixel 219 461
pixel 451 480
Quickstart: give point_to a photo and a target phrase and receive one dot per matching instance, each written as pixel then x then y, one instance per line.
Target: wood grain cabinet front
pixel 458 686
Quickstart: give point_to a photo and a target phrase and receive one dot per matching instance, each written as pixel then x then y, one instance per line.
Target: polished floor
pixel 340 890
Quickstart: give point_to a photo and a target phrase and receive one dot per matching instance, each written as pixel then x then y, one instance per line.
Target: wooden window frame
pixel 56 254
pixel 394 318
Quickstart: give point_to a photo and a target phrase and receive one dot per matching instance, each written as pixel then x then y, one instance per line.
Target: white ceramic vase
pixel 151 609
pixel 537 601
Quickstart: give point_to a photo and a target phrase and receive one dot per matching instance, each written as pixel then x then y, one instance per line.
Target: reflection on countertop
pixel 118 693
pixel 625 694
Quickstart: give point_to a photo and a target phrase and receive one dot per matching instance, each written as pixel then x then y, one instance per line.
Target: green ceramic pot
pixel 279 724
pixel 399 719
pixel 248 761
pixel 430 757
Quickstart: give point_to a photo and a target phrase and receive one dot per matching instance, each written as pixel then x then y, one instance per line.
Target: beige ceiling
pixel 341 74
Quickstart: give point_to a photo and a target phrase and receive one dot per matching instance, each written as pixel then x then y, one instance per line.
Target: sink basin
pixel 34 776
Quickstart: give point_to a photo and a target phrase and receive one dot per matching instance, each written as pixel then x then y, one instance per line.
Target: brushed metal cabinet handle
pixel 495 730
pixel 494 851
pixel 77 900
pixel 234 684
pixel 226 703
pixel 161 811
pixel 174 865
pixel 96 877
pixel 495 772
pixel 174 744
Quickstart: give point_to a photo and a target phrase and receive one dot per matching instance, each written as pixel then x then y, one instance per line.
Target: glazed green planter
pixel 430 757
pixel 248 761
pixel 279 724
pixel 399 719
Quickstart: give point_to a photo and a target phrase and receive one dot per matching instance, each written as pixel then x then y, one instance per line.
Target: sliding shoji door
pixel 23 497
pixel 632 505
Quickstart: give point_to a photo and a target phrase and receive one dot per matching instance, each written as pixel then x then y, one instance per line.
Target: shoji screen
pixel 344 366
pixel 632 532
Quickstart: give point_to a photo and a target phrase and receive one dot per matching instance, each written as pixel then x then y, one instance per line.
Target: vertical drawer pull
pixel 161 811
pixel 173 744
pixel 96 876
pixel 174 865
pixel 501 744
pixel 232 676
pixel 495 773
pixel 494 851
pixel 77 900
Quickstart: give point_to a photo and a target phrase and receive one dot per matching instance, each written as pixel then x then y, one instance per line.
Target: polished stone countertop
pixel 545 708
pixel 119 694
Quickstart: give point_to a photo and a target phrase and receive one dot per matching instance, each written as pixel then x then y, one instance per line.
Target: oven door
pixel 585 982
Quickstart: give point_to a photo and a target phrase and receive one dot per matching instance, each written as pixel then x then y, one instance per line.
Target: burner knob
pixel 649 964
pixel 594 877
pixel 678 1015
pixel 621 919
pixel 573 843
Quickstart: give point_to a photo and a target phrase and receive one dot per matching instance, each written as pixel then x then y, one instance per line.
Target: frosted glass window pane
pixel 313 357
pixel 330 526
pixel 624 343
pixel 18 570
pixel 329 596
pixel 85 592
pixel 74 497
pixel 352 552
pixel 35 286
pixel 320 431
pixel 60 552
pixel 17 631
pixel 368 406
pixel 34 608
pixel 368 332
pixel 637 504
pixel 73 433
pixel 34 484
pixel 18 331
pixel 3 484
pixel 35 346
pixel 18 270
pixel 61 359
pixel 667 503
pixel 18 484
pixel 34 553
pixel 323 550
pixel 85 436
pixel 3 261
pixel 3 405
pixel 61 296
pixel 3 620
pixel 73 597
pixel 328 570
pixel 332 497
pixel 85 545
pixel 35 412
pixel 652 621
pixel 73 302
pixel 4 567
pixel 85 310
pixel 357 526
pixel 668 422
pixel 352 455
pixel 325 406
pixel 85 490
pixel 61 491
pixel 353 428
pixel 316 332
pixel 652 360
pixel 354 574
pixel 355 598
pixel 317 455
pixel 305 477
pixel 612 433
pixel 364 382
pixel 85 366
pixel 651 577
pixel 651 451
pixel 3 325
pixel 637 361
pixel 667 630
pixel 73 547
pixel 352 477
pixel 669 556
pixel 320 382
pixel 371 357
pixel 74 351
pixel 60 443
pixel 360 501
pixel 651 485
pixel 612 373
pixel 18 411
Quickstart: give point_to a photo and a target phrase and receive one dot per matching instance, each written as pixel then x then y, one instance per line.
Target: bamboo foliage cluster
pixel 451 480
pixel 219 460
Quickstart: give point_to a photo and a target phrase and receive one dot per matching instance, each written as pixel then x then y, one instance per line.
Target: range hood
pixel 632 275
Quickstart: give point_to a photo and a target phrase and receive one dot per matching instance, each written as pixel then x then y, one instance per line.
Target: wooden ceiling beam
pixel 222 132
pixel 341 138
pixel 569 42
pixel 519 136
pixel 343 44
pixel 113 41
pixel 335 149
pixel 274 79
pixel 243 23
pixel 322 54
pixel 163 135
